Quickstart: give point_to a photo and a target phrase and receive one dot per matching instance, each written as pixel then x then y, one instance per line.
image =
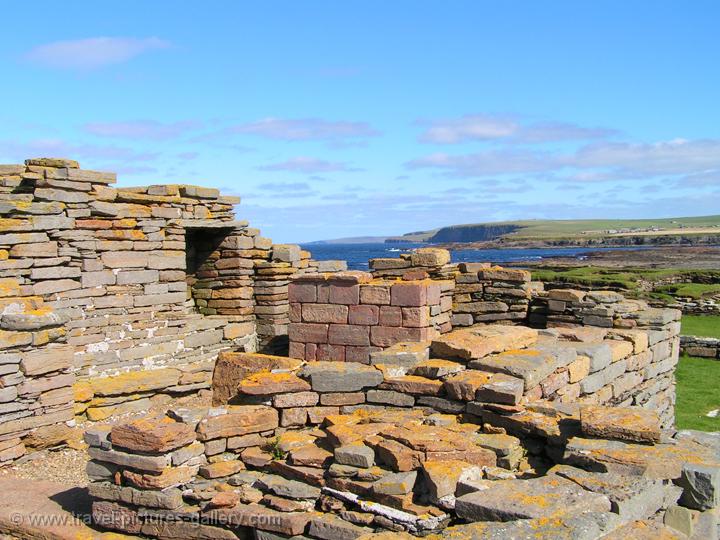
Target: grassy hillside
pixel 568 229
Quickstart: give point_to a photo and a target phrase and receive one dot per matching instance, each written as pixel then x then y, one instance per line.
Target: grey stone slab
pixel 356 455
pixel 167 498
pixel 600 354
pixel 701 486
pixel 529 499
pixel 340 376
pixel 282 487
pixel 595 381
pixel 632 497
pixel 532 365
pixel 329 527
pixel 586 526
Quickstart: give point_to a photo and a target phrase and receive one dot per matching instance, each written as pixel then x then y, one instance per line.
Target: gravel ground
pixel 66 465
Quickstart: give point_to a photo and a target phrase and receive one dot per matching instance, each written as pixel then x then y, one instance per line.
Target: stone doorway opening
pixel 203 251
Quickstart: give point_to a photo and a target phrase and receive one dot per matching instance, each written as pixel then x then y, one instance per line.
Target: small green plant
pixel 275 450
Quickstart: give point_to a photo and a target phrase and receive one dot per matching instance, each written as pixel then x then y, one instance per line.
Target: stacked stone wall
pixel 702 347
pixel 284 263
pixel 350 315
pixel 117 299
pixel 487 294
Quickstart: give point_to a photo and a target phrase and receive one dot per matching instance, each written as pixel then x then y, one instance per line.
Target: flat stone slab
pixel 661 461
pixel 644 530
pixel 264 384
pixel 587 526
pixel 340 376
pixel 530 365
pixel 56 504
pixel 544 497
pixel 625 423
pixel 478 342
pixel 632 497
pixel 146 435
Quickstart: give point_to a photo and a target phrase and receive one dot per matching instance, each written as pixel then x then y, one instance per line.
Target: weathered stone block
pixel 340 376
pixel 325 313
pixel 238 420
pixel 478 342
pixel 344 334
pixel 528 499
pixel 308 332
pixel 632 424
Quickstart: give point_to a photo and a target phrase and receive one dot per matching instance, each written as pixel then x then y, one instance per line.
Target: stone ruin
pixel 113 300
pixel 421 399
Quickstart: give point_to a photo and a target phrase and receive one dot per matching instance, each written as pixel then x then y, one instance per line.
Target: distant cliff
pixel 472 233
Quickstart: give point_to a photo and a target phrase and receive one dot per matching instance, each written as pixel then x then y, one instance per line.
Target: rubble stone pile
pixel 445 439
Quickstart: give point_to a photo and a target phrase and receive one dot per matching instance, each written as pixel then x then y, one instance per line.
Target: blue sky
pixel 336 119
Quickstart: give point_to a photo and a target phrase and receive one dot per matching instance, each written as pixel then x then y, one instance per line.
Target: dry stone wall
pixel 702 347
pixel 350 315
pixel 115 299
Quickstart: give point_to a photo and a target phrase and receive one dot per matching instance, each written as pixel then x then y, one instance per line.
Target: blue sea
pixel 357 255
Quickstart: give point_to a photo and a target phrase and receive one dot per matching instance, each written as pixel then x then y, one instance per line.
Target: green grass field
pixel 542 229
pixel 698 380
pixel 700 325
pixel 690 290
pixel 627 278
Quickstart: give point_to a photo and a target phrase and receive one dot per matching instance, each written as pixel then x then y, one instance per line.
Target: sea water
pixel 357 255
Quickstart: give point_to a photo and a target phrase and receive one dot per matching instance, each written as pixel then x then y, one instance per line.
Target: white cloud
pixel 487 163
pixel 140 129
pixel 307 129
pixel 484 127
pixel 92 53
pixel 543 132
pixel 598 162
pixel 677 156
pixel 308 165
pixel 469 128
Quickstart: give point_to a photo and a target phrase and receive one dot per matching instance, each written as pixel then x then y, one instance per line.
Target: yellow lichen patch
pixel 82 391
pixel 521 352
pixel 9 287
pixel 135 381
pixel 4 254
pixel 7 224
pixel 126 223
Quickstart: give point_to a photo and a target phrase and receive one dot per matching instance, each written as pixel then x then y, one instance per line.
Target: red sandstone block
pixel 382 336
pixel 346 334
pixel 408 294
pixel 390 316
pixel 342 293
pixel 433 294
pixel 310 351
pixel 297 350
pixel 365 315
pixel 323 293
pixel 378 295
pixel 295 312
pixel 359 354
pixel 302 292
pixel 308 332
pixel 325 313
pixel 331 353
pixel 416 317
